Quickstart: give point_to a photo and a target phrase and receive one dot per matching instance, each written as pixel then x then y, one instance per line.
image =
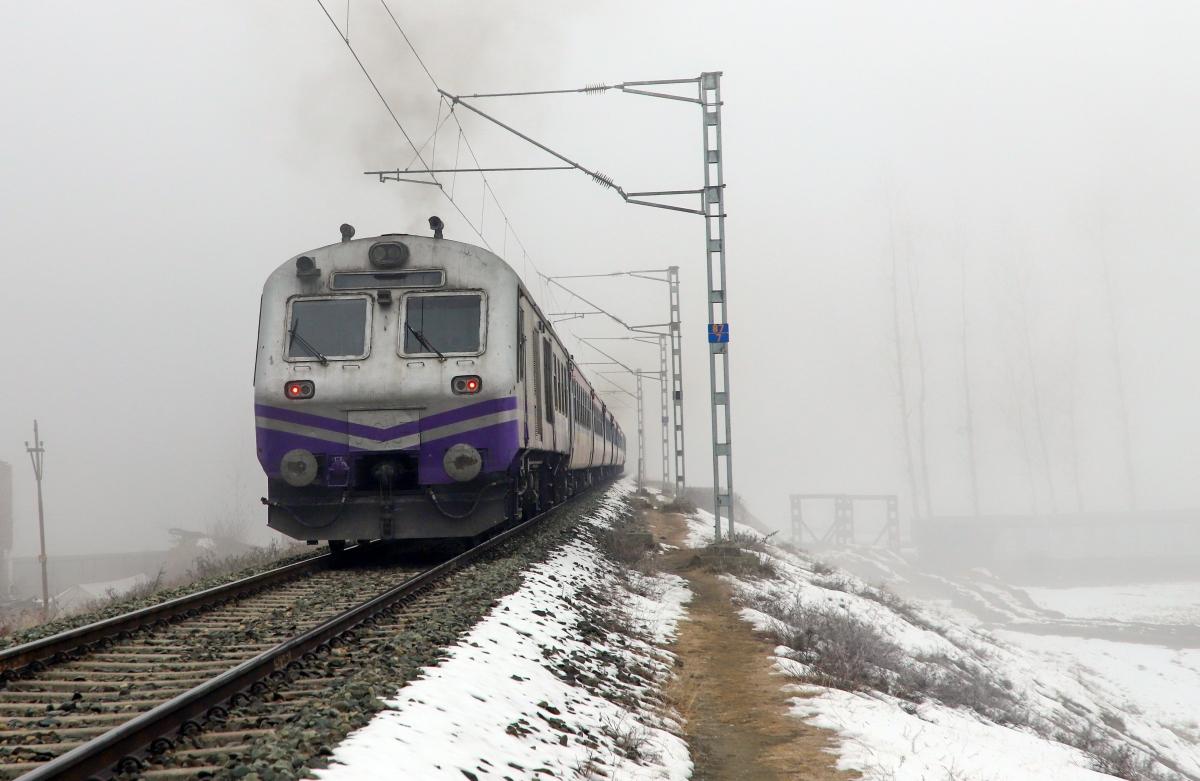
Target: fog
pixel 159 160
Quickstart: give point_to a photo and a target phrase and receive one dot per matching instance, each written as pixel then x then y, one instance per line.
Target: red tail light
pixel 466 384
pixel 299 389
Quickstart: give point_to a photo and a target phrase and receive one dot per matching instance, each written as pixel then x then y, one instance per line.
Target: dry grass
pixel 681 505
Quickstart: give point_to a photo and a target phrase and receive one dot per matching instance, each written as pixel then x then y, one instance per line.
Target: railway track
pixel 170 691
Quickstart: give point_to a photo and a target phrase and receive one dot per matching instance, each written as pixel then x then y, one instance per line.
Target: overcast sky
pixel 160 159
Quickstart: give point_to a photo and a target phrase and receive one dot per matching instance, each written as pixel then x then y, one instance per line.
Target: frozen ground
pixel 950 700
pixel 543 687
pixel 1156 603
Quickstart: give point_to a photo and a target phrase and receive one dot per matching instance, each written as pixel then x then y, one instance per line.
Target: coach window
pixel 323 328
pixel 441 324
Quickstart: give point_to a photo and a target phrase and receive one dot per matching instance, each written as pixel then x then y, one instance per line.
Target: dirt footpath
pixel 738 725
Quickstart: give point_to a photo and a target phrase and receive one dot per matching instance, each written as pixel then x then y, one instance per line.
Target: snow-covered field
pixel 1162 683
pixel 1047 707
pixel 541 687
pixel 1155 603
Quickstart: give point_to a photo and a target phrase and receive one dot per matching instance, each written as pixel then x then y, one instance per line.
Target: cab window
pixel 446 323
pixel 322 328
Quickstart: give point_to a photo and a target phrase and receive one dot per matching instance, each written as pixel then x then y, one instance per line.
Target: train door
pixel 572 401
pixel 548 393
pixel 522 361
pixel 535 377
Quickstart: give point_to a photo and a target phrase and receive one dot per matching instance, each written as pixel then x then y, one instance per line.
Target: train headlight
pixel 388 254
pixel 307 267
pixel 298 467
pixel 462 462
pixel 466 384
pixel 299 389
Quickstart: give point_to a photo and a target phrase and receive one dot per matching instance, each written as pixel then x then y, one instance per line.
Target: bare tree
pixel 918 344
pixel 1038 414
pixel 1073 419
pixel 901 384
pixel 1118 366
pixel 1016 414
pixel 968 410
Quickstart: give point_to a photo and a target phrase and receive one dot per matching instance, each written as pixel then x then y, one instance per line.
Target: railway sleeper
pixel 84 686
pixel 169 773
pixel 57 679
pixel 14 769
pixel 46 750
pixel 82 705
pixel 90 666
pixel 84 733
pixel 50 722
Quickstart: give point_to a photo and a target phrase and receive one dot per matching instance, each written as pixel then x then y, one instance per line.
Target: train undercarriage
pixel 391 510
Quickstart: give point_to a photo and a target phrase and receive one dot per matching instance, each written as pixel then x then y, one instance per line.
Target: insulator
pixel 602 179
pixel 595 89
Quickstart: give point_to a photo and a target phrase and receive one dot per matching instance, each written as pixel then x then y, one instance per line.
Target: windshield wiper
pixel 424 342
pixel 304 343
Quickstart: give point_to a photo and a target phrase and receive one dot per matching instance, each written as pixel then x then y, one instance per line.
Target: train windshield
pixel 439 324
pixel 327 328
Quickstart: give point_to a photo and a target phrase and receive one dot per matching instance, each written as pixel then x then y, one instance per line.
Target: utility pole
pixel 36 453
pixel 641 424
pixel 662 386
pixel 676 337
pixel 713 206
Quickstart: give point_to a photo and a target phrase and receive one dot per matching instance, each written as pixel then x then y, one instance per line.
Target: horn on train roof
pixel 435 222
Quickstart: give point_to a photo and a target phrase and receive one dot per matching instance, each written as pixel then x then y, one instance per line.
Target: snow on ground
pixel 885 741
pixel 970 706
pixel 1148 679
pixel 1157 603
pixel 539 688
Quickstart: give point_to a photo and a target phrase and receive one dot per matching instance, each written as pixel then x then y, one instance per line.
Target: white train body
pixel 410 387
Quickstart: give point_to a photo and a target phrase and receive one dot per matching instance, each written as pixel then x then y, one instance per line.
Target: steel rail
pixel 126 742
pixel 52 648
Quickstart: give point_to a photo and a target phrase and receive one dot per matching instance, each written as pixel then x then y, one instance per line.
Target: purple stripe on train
pixel 427 422
pixel 500 441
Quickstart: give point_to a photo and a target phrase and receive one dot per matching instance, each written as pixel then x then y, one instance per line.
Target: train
pixel 410 388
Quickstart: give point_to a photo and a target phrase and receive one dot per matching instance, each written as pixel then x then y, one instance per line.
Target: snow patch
pixel 538 688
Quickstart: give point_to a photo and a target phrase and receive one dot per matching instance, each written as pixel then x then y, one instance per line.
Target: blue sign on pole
pixel 718 333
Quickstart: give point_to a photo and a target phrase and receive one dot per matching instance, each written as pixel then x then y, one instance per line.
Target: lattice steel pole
pixel 641 424
pixel 666 420
pixel 713 199
pixel 676 334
